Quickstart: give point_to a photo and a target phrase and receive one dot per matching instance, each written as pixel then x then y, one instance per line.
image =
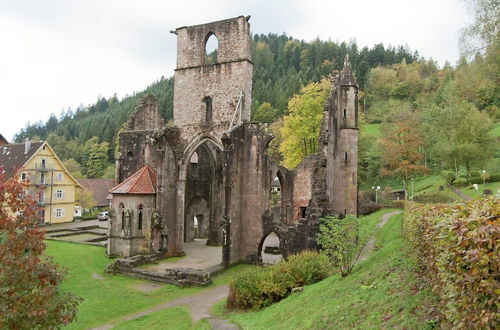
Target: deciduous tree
pixel 30 296
pixel 301 126
pixel 401 147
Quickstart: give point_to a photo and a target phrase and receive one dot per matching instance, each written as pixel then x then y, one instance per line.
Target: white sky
pixel 57 54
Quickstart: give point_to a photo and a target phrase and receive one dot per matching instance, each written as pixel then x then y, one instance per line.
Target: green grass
pixel 175 318
pixel 110 299
pixel 382 292
pixel 372 129
pixel 493 186
pixel 496 130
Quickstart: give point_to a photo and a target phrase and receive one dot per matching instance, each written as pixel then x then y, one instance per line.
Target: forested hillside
pixel 417 117
pixel 282 66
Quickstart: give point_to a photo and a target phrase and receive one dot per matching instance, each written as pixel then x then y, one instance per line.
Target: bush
pixel 259 287
pixel 449 176
pixel 396 204
pixel 369 208
pixel 432 198
pixel 457 251
pixel 339 240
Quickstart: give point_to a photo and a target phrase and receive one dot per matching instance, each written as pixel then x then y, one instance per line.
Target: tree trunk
pixel 456 168
pixel 404 187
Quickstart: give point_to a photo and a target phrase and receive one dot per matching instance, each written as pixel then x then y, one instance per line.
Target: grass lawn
pixel 382 292
pixel 372 129
pixel 113 297
pixel 175 318
pixel 496 130
pixel 493 186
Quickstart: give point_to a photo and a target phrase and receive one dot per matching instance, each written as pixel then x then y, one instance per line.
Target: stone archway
pixel 200 191
pixel 197 219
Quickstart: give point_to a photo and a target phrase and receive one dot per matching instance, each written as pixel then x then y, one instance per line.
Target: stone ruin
pixel 208 174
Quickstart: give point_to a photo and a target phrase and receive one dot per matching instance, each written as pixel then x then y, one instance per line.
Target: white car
pixel 103 216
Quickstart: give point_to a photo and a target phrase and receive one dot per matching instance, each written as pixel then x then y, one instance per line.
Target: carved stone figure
pixel 127 228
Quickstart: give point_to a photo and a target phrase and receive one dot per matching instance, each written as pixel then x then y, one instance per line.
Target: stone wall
pixel 139 240
pixel 222 82
pixel 238 194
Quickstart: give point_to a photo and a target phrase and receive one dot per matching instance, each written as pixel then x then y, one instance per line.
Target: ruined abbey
pixel 207 174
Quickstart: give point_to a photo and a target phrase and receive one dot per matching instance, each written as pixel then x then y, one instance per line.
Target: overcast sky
pixel 57 54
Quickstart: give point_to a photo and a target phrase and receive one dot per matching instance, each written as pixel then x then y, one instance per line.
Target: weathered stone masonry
pixel 222 175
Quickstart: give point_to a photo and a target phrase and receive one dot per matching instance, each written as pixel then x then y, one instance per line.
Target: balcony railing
pixel 43 168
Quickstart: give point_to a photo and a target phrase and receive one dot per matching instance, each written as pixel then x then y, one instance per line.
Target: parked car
pixel 103 216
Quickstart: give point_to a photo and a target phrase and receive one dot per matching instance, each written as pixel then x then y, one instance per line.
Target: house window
pixel 59 194
pixel 24 176
pixel 41 196
pixel 42 178
pixel 139 217
pixel 43 163
pixel 59 213
pixel 59 177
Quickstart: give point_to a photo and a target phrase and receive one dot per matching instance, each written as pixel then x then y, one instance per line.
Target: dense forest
pixel 437 118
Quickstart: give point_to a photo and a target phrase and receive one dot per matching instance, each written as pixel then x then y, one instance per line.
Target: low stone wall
pixel 176 276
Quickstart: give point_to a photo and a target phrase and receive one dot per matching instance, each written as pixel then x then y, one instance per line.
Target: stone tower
pixel 342 168
pixel 206 95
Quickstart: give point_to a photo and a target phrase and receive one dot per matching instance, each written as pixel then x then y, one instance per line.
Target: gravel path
pixel 371 243
pixel 198 305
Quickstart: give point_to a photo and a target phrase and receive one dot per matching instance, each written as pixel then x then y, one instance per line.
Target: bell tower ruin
pixel 210 170
pixel 206 95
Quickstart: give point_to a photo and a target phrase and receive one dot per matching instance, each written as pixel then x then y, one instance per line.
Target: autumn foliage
pixel 401 148
pixel 457 250
pixel 29 281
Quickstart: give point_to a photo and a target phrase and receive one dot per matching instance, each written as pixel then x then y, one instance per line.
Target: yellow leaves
pixel 301 126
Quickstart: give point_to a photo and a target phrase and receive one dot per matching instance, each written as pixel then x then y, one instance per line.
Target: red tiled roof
pixel 142 182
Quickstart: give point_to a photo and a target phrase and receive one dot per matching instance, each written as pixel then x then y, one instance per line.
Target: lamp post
pixel 484 177
pixel 376 195
pixel 411 188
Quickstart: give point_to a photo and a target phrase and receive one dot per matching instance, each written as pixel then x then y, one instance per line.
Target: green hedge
pixel 259 287
pixel 457 250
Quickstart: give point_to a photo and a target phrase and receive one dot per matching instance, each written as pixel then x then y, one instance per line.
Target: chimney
pixel 27 146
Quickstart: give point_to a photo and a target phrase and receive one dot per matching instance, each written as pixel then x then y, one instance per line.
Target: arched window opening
pixel 122 211
pixel 211 49
pixel 276 190
pixel 345 156
pixel 139 217
pixel 208 109
pixel 271 251
pixel 44 163
pixel 194 158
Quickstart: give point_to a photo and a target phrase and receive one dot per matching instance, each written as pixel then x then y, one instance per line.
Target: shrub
pixel 396 204
pixel 339 240
pixel 307 267
pixel 369 208
pixel 259 287
pixel 432 198
pixel 457 251
pixel 449 176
